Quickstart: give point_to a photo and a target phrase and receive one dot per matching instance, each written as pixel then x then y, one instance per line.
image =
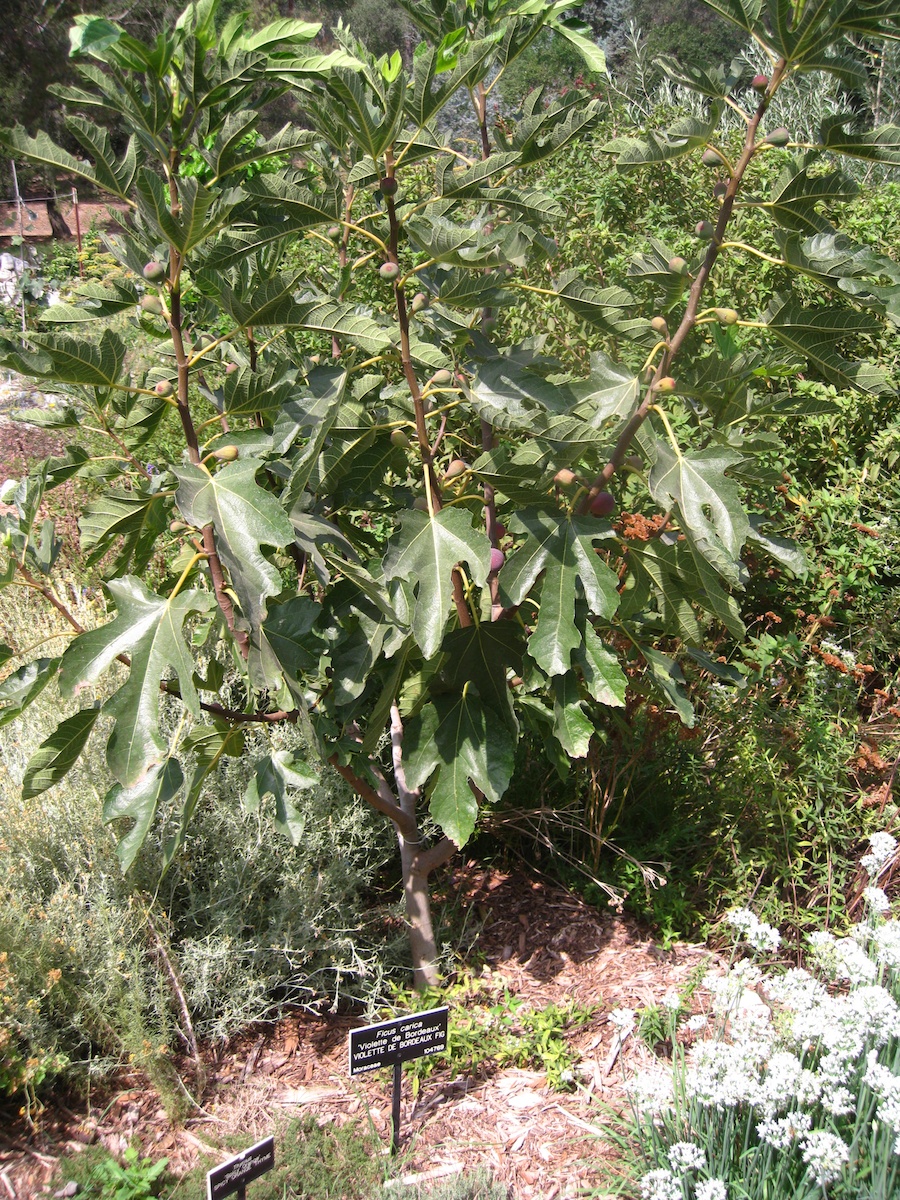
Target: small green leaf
pixel 58 753
pixel 277 775
pixel 571 725
pixel 427 550
pixel 140 802
pixel 22 687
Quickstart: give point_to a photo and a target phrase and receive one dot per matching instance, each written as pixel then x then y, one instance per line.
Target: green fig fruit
pixel 678 266
pixel 154 272
pixel 456 468
pixel 226 453
pixel 399 439
pixel 564 477
pixel 778 137
pixel 389 271
pixel 726 315
pixel 711 158
pixel 152 305
pixel 442 378
pixel 659 325
pixel 704 230
pixel 164 388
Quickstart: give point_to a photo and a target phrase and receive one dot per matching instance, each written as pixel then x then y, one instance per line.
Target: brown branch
pixel 427 861
pixel 412 382
pixel 689 319
pixel 216 570
pixel 366 792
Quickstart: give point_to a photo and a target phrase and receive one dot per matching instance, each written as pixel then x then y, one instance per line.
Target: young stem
pixel 216 570
pixel 690 313
pixel 432 483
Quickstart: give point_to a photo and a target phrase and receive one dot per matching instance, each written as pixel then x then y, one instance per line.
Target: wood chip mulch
pixel 538 941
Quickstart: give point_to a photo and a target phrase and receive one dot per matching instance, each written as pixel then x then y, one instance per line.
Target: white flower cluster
pixel 886 1086
pixel 755 933
pixel 622 1020
pixel 810 1069
pixel 882 848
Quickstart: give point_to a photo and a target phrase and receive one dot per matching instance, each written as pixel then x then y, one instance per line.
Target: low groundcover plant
pixel 791 1089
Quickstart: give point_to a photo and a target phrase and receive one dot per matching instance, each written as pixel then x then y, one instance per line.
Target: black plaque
pixel 234 1175
pixel 398 1041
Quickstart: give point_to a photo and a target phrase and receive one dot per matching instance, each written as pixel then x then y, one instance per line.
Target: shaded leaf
pixel 140 803
pixel 58 753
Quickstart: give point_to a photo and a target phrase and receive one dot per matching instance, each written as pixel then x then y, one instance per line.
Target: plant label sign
pixel 398 1041
pixel 391 1044
pixel 234 1175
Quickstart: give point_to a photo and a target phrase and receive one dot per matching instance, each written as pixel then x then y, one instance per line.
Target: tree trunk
pixel 57 221
pixel 422 946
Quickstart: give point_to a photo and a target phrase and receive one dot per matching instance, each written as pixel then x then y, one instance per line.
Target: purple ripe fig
pixel 635 462
pixel 759 83
pixel 666 384
pixel 778 137
pixel 500 530
pixel 154 272
pixel 456 468
pixel 387 185
pixel 720 189
pixel 399 439
pixel 726 315
pixel 498 558
pixel 164 388
pixel 603 505
pixel 152 305
pixel 658 325
pixel 420 504
pixel 711 158
pixel 231 368
pixel 442 378
pixel 226 453
pixel 678 266
pixel 704 230
pixel 389 271
pixel 565 478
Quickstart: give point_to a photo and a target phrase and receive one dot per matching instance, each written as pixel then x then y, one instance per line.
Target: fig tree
pixel 603 505
pixel 389 271
pixel 154 272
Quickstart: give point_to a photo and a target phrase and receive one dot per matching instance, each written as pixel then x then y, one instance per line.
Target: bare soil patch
pixel 539 941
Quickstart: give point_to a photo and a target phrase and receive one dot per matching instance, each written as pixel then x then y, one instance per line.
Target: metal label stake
pixel 392 1043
